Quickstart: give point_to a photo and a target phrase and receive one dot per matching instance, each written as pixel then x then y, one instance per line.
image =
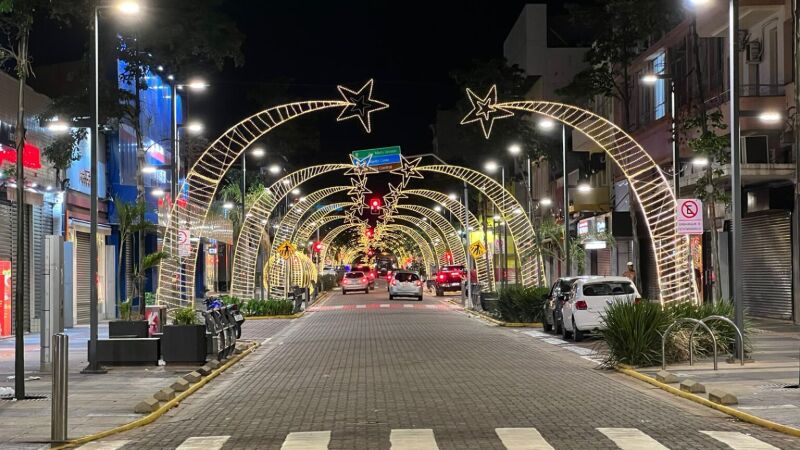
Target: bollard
pixel 58 416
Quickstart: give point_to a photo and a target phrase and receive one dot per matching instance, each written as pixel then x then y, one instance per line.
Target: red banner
pixel 31 156
pixel 5 298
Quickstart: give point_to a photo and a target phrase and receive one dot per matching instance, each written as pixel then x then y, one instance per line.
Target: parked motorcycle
pixel 233 310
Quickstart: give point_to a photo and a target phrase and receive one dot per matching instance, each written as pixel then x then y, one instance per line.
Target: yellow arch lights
pixel 176 278
pixel 674 267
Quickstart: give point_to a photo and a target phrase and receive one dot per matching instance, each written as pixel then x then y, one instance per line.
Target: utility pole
pixel 736 179
pixel 468 302
pixel 566 200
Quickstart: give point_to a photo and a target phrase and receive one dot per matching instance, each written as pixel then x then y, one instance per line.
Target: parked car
pixel 369 272
pixel 448 279
pixel 328 270
pixel 588 300
pixel 551 317
pixel 355 281
pixel 405 284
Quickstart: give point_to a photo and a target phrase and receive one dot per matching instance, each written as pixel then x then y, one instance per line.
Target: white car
pixel 405 284
pixel 588 299
pixel 328 270
pixel 355 281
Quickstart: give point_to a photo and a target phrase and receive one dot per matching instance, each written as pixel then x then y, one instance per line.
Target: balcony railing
pixel 762 90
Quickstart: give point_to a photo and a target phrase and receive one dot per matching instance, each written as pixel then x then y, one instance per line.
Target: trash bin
pixel 489 301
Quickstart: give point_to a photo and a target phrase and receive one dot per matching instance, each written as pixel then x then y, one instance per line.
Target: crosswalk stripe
pixel 416 439
pixel 739 441
pixel 384 305
pixel 104 445
pixel 307 440
pixel 430 306
pixel 360 306
pixel 408 305
pixel 203 443
pixel 522 439
pixel 631 439
pixel 338 307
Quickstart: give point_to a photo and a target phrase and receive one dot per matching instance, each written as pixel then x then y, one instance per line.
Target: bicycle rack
pixel 691 360
pixel 729 322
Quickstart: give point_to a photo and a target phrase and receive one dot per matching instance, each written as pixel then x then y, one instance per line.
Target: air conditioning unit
pixel 754 52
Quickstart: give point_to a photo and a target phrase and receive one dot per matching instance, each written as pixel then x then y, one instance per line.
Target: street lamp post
pixel 651 79
pixel 567 262
pixel 737 293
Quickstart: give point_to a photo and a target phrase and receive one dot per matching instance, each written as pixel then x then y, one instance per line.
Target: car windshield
pixel 354 275
pixel 406 277
pixel 608 288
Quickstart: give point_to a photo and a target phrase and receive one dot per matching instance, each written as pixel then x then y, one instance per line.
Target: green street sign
pixel 381 159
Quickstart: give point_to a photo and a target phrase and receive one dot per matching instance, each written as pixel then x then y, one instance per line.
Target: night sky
pixel 309 47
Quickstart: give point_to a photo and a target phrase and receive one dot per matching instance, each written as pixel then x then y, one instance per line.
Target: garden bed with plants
pixel 517 304
pixel 633 332
pixel 254 307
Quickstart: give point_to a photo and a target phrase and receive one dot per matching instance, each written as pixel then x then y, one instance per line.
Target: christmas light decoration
pixel 360 105
pixel 674 267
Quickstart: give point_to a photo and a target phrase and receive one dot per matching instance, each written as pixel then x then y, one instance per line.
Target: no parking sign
pixel 690 216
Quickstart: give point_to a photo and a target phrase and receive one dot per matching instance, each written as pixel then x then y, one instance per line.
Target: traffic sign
pixel 286 249
pixel 381 159
pixel 477 249
pixel 689 216
pixel 184 243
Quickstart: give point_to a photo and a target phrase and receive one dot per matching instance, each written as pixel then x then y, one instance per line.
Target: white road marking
pixel 768 407
pixel 536 334
pixel 631 439
pixel 307 440
pixel 384 305
pixel 554 341
pixel 338 307
pixel 104 445
pixel 361 306
pixel 739 441
pixel 406 305
pixel 421 439
pixel 430 306
pixel 266 340
pixel 579 350
pixel 522 439
pixel 203 443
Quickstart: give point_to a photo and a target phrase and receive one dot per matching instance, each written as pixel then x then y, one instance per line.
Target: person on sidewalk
pixel 630 273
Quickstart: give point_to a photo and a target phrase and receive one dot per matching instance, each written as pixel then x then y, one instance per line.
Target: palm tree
pixel 131 221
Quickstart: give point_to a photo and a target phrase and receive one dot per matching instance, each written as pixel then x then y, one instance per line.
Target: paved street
pixel 420 377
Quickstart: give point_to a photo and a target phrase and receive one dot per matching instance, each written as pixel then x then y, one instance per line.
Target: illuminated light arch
pixel 454 243
pixel 331 235
pixel 245 256
pixel 176 274
pixel 307 226
pixel 435 239
pixel 285 231
pixel 485 266
pixel 422 244
pixel 519 226
pixel 674 267
pixel 393 239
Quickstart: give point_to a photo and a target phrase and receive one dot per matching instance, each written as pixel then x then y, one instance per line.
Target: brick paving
pixel 363 372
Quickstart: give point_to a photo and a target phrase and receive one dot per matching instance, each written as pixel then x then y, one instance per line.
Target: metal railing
pixel 677 322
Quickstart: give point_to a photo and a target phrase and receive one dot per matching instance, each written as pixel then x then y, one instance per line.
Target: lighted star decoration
pixel 358 186
pixel 485 110
pixel 408 170
pixel 361 166
pixel 395 194
pixel 360 105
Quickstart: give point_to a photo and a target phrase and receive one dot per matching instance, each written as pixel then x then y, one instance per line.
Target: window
pixel 659 91
pixel 608 288
pixel 406 277
pixel 354 275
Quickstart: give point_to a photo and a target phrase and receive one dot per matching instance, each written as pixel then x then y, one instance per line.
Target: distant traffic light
pixel 317 247
pixel 370 253
pixel 370 233
pixel 375 206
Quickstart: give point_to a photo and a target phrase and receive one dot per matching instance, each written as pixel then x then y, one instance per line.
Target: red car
pixel 449 279
pixel 371 274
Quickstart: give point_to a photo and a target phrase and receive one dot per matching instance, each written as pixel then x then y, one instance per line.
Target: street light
pixel 651 79
pixel 258 152
pixel 196 85
pixel 584 187
pixel 128 8
pixel 700 161
pixel 546 124
pixel 452 196
pixel 514 149
pixel 437 208
pixel 546 201
pixel 274 169
pixel 490 166
pixel 295 192
pixel 149 169
pixel 157 192
pixel 195 127
pixel 228 205
pixel 770 117
pixel 57 126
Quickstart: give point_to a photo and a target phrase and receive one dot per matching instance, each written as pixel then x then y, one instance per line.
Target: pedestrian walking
pixel 630 273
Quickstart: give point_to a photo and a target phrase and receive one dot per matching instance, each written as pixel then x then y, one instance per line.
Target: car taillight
pixel 363 280
pixel 441 277
pixel 371 275
pixel 581 305
pixel 637 300
pixel 394 282
pixel 419 283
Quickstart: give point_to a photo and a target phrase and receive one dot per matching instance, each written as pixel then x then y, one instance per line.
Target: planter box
pixel 128 351
pixel 184 344
pixel 127 329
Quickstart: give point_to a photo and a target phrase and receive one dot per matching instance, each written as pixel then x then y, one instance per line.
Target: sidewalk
pixel 760 386
pixel 96 402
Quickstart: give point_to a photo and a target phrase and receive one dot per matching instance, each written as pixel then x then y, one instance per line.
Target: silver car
pixel 405 284
pixel 355 281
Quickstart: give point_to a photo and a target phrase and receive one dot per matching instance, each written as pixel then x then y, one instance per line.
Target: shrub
pixel 185 316
pixel 520 304
pixel 633 332
pixel 270 307
pixel 125 310
pixel 327 282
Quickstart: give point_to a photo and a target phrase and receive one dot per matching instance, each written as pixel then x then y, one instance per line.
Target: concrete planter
pixel 184 344
pixel 127 329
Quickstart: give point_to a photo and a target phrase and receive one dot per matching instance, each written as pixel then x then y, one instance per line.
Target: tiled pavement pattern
pixel 363 375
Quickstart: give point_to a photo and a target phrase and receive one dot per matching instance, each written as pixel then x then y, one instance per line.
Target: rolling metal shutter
pixel 8 252
pixel 81 281
pixel 604 262
pixel 42 226
pixel 767 264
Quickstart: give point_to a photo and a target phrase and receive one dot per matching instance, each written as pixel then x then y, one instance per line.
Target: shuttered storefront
pixel 42 226
pixel 81 280
pixel 604 262
pixel 8 252
pixel 767 264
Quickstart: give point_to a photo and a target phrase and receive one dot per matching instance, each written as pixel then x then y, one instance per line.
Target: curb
pixel 499 322
pixel 149 418
pixel 743 416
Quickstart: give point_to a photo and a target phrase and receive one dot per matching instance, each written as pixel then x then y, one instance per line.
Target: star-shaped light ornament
pixel 360 105
pixel 408 169
pixel 360 166
pixel 358 186
pixel 485 110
